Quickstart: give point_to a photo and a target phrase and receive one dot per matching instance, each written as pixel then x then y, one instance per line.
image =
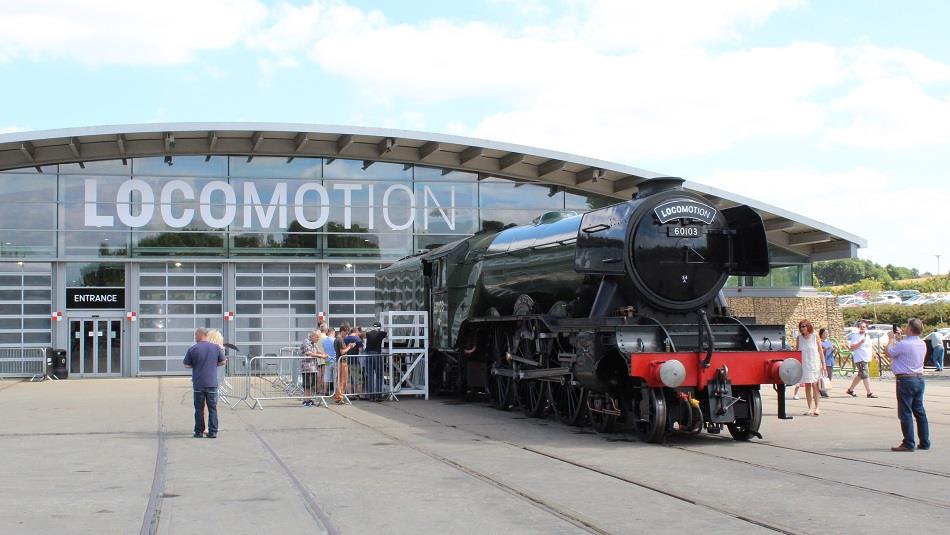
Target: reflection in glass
pixel 101 167
pixel 436 173
pixel 503 193
pixel 184 166
pixel 496 220
pixel 275 244
pixel 17 188
pixel 587 201
pixel 20 244
pixel 95 274
pixel 35 216
pixel 178 244
pixel 359 170
pixel 92 243
pixel 276 167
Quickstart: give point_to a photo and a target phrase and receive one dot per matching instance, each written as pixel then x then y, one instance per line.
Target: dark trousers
pixel 209 397
pixel 374 374
pixel 910 407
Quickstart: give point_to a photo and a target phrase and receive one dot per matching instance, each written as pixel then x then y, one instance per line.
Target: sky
pixel 836 110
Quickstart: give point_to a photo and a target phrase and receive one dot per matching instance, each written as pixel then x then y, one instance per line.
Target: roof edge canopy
pixel 814 239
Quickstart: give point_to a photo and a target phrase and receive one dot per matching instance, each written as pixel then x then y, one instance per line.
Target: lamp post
pixel 938 264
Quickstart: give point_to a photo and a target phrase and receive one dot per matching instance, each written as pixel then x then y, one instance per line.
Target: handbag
pixel 824 383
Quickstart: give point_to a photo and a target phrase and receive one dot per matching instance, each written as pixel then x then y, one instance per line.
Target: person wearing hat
pixel 374 361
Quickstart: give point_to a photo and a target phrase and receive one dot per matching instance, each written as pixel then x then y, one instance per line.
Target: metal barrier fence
pixel 374 377
pixel 232 381
pixel 368 376
pixel 23 362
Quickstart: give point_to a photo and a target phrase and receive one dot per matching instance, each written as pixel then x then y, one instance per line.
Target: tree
pixel 900 273
pixel 850 271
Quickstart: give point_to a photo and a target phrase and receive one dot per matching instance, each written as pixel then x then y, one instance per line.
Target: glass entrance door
pixel 95 347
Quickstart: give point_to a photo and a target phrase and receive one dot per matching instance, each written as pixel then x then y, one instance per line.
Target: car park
pixel 907 294
pixel 852 302
pixel 886 300
pixel 918 299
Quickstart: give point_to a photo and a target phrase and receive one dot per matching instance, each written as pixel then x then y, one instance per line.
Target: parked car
pixel 843 298
pixel 852 302
pixel 907 294
pixel 918 299
pixel 878 332
pixel 886 300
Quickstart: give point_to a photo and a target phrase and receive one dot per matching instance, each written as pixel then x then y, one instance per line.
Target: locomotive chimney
pixel 656 185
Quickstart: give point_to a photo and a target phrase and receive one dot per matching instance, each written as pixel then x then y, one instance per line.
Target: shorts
pixel 309 379
pixel 862 369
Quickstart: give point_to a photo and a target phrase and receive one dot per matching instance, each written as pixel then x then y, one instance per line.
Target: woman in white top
pixel 810 346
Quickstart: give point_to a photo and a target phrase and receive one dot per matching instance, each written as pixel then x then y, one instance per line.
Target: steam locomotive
pixel 614 315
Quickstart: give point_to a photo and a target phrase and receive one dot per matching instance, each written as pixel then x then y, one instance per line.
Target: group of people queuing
pixel 906 350
pixel 325 371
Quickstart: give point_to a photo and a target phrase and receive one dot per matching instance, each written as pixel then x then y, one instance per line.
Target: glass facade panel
pixel 172 304
pixel 42 216
pixel 270 310
pixel 358 169
pixel 26 188
pixel 276 167
pixel 186 166
pixel 503 193
pixel 25 244
pixel 349 284
pixel 26 304
pixel 95 275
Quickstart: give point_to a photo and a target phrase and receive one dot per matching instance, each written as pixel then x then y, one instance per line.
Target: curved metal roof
pixel 802 235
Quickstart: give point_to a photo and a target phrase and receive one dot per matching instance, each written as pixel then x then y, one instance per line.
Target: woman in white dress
pixel 810 346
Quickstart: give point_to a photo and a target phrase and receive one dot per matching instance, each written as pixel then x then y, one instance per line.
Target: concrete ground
pixel 117 456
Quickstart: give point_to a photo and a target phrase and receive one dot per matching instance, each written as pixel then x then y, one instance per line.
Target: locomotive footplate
pixel 721 401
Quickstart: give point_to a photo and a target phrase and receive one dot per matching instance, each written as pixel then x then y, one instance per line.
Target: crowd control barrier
pixel 375 377
pixel 23 362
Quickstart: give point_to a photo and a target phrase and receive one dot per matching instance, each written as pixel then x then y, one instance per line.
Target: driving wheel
pixel 569 402
pixel 604 410
pixel 747 428
pixel 650 420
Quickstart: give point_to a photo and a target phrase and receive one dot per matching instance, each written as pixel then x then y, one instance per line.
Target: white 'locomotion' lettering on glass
pixel 311 205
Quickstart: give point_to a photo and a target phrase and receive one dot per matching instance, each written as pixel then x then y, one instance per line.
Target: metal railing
pixel 372 377
pixel 23 362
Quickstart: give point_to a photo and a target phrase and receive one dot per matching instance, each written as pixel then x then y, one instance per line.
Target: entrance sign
pixel 264 211
pixel 95 298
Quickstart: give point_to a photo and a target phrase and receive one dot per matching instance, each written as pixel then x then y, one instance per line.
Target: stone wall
pixel 788 311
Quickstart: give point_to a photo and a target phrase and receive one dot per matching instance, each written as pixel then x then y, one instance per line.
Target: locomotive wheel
pixel 650 416
pixel 534 398
pixel 501 392
pixel 569 402
pixel 601 421
pixel 747 428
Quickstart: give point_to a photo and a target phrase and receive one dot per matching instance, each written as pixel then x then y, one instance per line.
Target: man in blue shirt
pixel 907 362
pixel 204 358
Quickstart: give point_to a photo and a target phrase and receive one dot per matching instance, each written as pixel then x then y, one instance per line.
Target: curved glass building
pixel 117 242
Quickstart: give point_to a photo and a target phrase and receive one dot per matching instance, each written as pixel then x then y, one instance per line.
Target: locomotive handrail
pixel 712 339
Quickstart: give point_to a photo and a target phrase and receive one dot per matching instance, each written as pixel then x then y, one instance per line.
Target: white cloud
pixel 891 114
pixel 863 201
pixel 121 32
pixel 645 24
pixel 11 129
pixel 626 80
